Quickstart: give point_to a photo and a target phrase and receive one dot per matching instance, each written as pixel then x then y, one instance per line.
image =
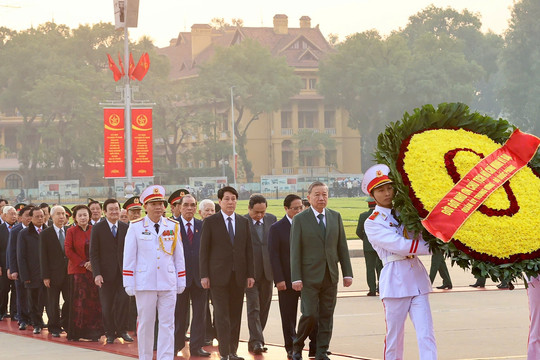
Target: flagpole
pixel 127 106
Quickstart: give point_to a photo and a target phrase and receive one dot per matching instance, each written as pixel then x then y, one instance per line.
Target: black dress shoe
pixel 371 293
pixel 200 352
pixel 110 339
pixel 257 349
pixel 449 287
pixel 475 285
pixel 324 358
pixel 55 334
pixel 126 337
pixel 297 355
pixel 503 286
pixel 289 354
pixel 37 330
pixel 234 356
pixel 22 326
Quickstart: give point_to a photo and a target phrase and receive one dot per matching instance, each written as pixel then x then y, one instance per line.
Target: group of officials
pixel 168 264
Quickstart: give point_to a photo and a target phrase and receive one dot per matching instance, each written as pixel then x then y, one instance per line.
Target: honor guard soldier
pixel 154 271
pixel 404 283
pixel 174 200
pixel 133 206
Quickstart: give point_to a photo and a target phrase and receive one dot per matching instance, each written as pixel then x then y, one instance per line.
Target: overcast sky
pixel 163 19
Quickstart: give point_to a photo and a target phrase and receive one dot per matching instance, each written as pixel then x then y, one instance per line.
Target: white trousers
pixel 533 292
pixel 147 303
pixel 396 310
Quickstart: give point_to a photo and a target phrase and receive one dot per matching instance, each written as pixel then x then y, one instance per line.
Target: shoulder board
pixel 374 215
pixel 174 221
pixel 134 221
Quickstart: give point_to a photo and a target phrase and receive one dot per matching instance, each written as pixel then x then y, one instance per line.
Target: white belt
pixel 394 257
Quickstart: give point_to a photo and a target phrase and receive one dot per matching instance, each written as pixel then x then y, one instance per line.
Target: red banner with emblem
pixel 479 183
pixel 114 159
pixel 141 135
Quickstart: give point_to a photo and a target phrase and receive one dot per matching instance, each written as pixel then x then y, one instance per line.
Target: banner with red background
pixel 114 159
pixel 141 135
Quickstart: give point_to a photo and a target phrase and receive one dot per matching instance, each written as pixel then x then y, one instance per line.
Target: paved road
pixel 478 324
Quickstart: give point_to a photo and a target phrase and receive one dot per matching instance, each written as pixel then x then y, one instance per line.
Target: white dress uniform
pixel 533 292
pixel 404 284
pixel 154 271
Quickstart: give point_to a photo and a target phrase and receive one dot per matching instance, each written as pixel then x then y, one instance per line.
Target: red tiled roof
pixel 183 65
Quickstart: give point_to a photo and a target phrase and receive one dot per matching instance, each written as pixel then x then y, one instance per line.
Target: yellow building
pixel 274 133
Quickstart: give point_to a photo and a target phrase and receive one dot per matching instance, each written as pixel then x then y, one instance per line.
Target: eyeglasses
pixel 296 208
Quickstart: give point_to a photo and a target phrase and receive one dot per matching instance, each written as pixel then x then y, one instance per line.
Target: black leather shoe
pixel 297 355
pixel 110 339
pixel 201 352
pixel 475 285
pixel 22 326
pixel 289 354
pixel 37 330
pixel 371 293
pixel 235 356
pixel 442 287
pixel 324 358
pixel 257 349
pixel 126 337
pixel 503 286
pixel 55 334
pixel 208 342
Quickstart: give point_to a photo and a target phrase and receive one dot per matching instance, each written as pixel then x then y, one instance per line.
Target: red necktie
pixel 189 233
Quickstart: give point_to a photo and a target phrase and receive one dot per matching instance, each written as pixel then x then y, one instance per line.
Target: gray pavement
pixel 469 324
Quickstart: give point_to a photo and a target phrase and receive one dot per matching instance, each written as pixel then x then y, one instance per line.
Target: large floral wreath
pixel 428 152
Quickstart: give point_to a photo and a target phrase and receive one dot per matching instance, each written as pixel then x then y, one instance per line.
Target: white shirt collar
pixel 185 222
pixel 111 224
pixel 317 213
pixel 288 218
pixel 225 217
pixel 255 221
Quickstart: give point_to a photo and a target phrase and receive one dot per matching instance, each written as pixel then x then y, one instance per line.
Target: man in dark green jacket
pixel 373 263
pixel 318 243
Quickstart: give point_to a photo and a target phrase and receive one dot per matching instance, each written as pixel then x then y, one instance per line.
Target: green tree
pixel 520 64
pixel 261 83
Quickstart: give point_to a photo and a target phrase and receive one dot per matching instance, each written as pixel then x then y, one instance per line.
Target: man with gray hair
pixel 9 214
pixel 206 208
pixel 54 263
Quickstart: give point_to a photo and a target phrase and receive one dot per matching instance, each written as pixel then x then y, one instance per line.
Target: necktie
pixel 61 238
pixel 156 225
pixel 113 229
pixel 189 233
pixel 9 227
pixel 230 229
pixel 259 229
pixel 321 223
pixel 39 230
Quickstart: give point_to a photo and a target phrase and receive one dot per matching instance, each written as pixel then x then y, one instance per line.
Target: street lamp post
pixel 223 163
pixel 127 106
pixel 235 166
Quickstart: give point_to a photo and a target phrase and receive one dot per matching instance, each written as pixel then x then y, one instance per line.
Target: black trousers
pixel 22 302
pixel 114 306
pixel 199 302
pixel 58 317
pixel 288 307
pixel 7 287
pixel 228 301
pixel 36 298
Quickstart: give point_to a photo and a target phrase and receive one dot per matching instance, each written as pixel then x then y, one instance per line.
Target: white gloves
pixel 130 290
pixel 180 289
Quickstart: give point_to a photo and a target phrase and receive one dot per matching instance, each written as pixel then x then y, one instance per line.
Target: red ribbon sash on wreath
pixel 479 183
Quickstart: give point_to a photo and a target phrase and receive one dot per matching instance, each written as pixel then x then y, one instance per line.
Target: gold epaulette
pixel 134 221
pixel 174 221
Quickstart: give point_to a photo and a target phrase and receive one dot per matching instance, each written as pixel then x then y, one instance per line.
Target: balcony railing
pixel 286 132
pixel 330 131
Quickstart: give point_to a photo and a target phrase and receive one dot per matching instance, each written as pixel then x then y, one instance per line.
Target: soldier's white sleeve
pixel 386 238
pixel 130 257
pixel 179 259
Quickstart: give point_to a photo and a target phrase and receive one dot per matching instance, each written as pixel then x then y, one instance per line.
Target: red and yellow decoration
pixel 142 160
pixel 114 161
pixel 452 168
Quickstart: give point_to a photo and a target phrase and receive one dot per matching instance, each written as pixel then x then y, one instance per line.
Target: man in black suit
pixel 23 316
pixel 106 256
pixel 226 263
pixel 96 211
pixel 6 284
pixel 259 297
pixel 280 257
pixel 190 229
pixel 54 270
pixel 29 268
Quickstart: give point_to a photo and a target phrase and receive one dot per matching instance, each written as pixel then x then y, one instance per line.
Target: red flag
pixel 142 67
pixel 131 66
pixel 121 65
pixel 116 72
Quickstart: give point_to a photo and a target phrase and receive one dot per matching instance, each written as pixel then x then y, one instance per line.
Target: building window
pixel 286 120
pixel 14 181
pixel 307 119
pixel 287 153
pixel 330 119
pixel 330 158
pixel 304 83
pixel 225 122
pixel 10 139
pixel 312 84
pixel 306 158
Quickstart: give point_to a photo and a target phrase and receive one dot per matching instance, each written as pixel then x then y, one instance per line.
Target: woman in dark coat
pixel 85 314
